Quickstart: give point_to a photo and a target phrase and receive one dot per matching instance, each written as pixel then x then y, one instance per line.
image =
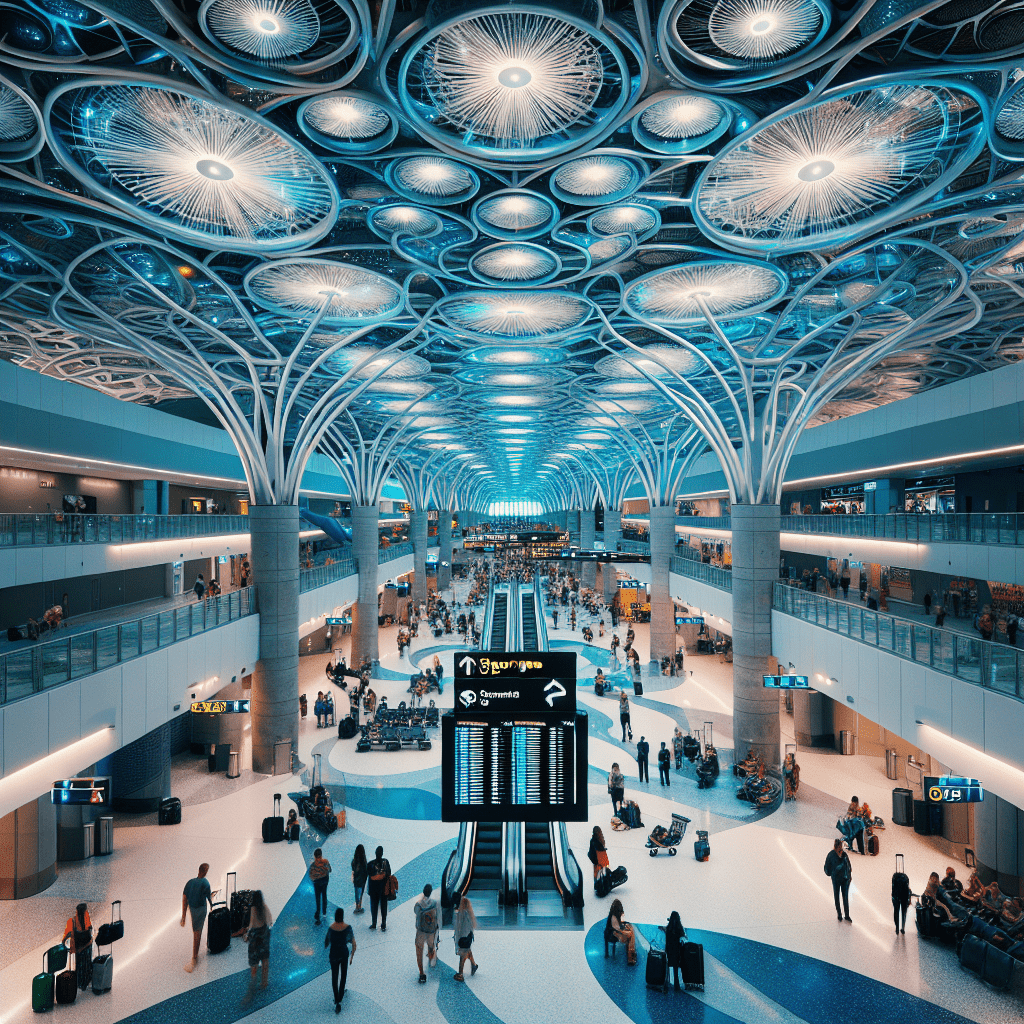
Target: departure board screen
pixel 524 768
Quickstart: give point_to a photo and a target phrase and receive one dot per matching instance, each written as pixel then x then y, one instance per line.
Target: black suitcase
pixel 874 845
pixel 65 985
pixel 347 728
pixel 656 974
pixel 693 965
pixel 218 928
pixel 638 688
pixel 273 827
pixel 902 807
pixel 170 811
pixel 239 902
pixel 603 884
pixel 998 968
pixel 927 818
pixel 701 848
pixel 974 953
pixel 925 921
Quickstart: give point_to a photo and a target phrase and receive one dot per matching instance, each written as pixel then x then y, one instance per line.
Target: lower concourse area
pixel 761 905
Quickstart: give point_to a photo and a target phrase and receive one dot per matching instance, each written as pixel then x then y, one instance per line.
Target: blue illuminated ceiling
pixel 512 242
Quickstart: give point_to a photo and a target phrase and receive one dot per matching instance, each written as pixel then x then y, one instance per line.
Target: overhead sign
pixel 530 682
pixel 220 707
pixel 786 682
pixel 952 789
pixel 81 791
pixel 689 620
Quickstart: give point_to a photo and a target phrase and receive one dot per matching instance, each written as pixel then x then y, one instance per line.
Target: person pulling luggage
pixel 79 928
pixel 196 899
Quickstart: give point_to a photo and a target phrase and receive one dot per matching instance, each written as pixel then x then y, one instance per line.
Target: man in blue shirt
pixel 195 899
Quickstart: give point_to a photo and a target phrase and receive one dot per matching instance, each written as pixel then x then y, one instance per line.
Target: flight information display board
pixel 522 768
pixel 952 789
pixel 220 707
pixel 95 791
pixel 787 682
pixel 515 683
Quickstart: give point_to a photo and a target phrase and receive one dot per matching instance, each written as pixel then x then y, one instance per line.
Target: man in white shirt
pixel 427 924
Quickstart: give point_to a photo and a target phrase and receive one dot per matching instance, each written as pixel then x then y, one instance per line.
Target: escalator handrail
pixel 542 624
pixel 465 852
pixel 560 854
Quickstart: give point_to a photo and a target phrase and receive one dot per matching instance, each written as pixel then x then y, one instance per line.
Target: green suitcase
pixel 56 959
pixel 42 990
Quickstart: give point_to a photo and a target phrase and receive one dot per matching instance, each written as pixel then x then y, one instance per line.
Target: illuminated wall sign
pixel 689 620
pixel 786 682
pixel 952 789
pixel 95 791
pixel 512 684
pixel 220 707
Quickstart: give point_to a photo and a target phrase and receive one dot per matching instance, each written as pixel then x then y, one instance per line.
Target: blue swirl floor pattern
pixel 811 990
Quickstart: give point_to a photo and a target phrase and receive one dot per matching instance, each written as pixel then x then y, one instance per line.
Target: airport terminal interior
pixel 567 455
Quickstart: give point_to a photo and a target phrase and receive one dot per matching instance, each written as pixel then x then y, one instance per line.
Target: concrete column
pixel 365 549
pixel 418 533
pixel 812 718
pixel 444 551
pixel 755 567
pixel 587 530
pixel 612 536
pixel 999 843
pixel 274 531
pixel 28 849
pixel 663 623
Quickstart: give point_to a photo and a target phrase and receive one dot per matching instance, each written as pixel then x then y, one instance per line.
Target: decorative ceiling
pixel 514 245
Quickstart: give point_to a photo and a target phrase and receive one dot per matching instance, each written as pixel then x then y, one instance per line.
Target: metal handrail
pixel 997 667
pixel 45 665
pixel 635 547
pixel 389 554
pixel 26 529
pixel 713 575
pixel 946 528
pixel 321 575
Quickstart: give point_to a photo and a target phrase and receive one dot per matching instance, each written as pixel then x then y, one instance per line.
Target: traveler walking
pixel 425 910
pixel 379 871
pixel 339 937
pixel 900 900
pixel 200 587
pixel 465 922
pixel 664 764
pixel 79 929
pixel 359 876
pixel 319 873
pixel 643 749
pixel 196 898
pixel 257 935
pixel 616 787
pixel 840 870
pixel 624 716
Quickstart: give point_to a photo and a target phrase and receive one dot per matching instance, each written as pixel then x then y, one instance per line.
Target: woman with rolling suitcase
pixel 79 926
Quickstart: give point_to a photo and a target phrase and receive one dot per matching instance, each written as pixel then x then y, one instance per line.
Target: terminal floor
pixel 762 905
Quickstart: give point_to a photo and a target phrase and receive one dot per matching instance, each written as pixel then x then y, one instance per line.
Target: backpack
pixel 199 588
pixel 428 919
pixel 391 888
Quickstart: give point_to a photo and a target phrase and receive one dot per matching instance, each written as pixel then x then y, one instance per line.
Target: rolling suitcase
pixel 998 968
pixel 43 984
pixel 109 933
pixel 902 807
pixel 603 884
pixel 218 924
pixel 925 921
pixel 693 965
pixel 240 901
pixel 65 987
pixel 974 953
pixel 170 811
pixel 656 974
pixel 638 688
pixel 874 846
pixel 102 973
pixel 273 827
pixel 701 848
pixel 56 959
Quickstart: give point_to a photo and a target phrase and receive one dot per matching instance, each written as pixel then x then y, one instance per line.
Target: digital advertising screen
pixel 220 707
pixel 95 791
pixel 786 682
pixel 952 789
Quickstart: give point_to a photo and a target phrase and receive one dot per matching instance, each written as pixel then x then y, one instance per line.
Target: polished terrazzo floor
pixel 762 905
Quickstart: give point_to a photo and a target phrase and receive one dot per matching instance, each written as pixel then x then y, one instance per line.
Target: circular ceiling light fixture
pixel 504 377
pixel 679 295
pixel 683 122
pixel 515 214
pixel 513 85
pixel 844 166
pixel 514 262
pixel 340 292
pixel 434 180
pixel 661 360
pixel 501 316
pixel 408 220
pixel 1008 124
pixel 269 30
pixel 597 179
pixel 211 174
pixel 640 220
pixel 347 122
pixel 515 356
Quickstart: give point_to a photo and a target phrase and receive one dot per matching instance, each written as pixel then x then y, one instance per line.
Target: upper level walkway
pixel 32 529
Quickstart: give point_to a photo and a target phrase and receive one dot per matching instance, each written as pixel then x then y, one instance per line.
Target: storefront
pixel 930 494
pixel 843 499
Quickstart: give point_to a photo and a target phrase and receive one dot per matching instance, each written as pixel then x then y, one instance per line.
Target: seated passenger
pixel 951 884
pixel 619 929
pixel 974 889
pixel 1011 913
pixel 930 895
pixel 291 826
pixel 992 900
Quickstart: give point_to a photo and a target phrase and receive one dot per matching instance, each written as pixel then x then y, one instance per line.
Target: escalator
pixel 499 622
pixel 529 621
pixel 540 869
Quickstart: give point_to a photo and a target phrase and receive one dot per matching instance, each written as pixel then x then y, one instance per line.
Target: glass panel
pixel 1003 669
pixel 149 628
pixel 196 615
pixel 922 643
pixel 870 627
pixel 106 647
pixel 902 634
pixel 82 655
pixel 166 628
pixel 943 650
pixel 19 674
pixel 968 658
pixel 130 632
pixel 56 663
pixel 181 622
pixel 855 622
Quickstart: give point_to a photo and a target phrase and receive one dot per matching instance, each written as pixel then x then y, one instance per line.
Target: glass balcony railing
pixel 994 666
pixel 27 529
pixel 704 522
pixel 321 575
pixel 947 528
pixel 713 575
pixel 53 662
pixel 395 551
pixel 635 547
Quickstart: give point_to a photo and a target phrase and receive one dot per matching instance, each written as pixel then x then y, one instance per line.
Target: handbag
pixel 466 941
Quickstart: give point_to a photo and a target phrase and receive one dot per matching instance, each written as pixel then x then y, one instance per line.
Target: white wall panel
pixel 64 714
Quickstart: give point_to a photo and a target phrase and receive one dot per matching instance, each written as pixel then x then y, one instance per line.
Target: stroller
pixel 667 838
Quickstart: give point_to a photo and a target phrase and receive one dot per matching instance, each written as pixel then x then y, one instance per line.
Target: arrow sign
pixel 554 689
pixel 468 664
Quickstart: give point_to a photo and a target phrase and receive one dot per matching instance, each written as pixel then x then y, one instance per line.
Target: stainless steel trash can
pixel 104 836
pixel 88 839
pixel 847 742
pixel 892 765
pixel 233 765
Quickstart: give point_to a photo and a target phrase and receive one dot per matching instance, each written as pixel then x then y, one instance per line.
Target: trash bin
pixel 233 765
pixel 283 757
pixel 88 839
pixel 847 742
pixel 104 836
pixel 892 765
